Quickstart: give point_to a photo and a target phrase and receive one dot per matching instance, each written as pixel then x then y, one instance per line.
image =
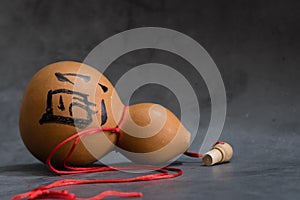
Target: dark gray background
pixel 255 45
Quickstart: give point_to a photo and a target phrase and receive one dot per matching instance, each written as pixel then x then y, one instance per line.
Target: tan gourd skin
pixel 41 137
pixel 166 139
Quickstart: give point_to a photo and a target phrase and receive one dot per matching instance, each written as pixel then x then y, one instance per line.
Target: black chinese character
pixel 103 113
pixel 67 117
pixel 62 77
pixel 79 100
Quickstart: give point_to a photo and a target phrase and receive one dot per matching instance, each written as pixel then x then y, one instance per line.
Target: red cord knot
pixel 117 129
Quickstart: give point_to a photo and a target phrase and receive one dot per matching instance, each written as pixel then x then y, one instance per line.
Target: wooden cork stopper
pixel 220 153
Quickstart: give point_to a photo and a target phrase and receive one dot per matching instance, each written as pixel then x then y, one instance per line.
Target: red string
pixel 64 194
pixel 193 154
pixel 219 142
pixel 43 192
pixel 198 155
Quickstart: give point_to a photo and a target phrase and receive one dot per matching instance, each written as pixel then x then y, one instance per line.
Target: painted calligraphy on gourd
pixel 60 111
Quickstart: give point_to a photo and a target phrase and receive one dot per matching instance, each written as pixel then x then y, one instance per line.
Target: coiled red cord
pixel 44 192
